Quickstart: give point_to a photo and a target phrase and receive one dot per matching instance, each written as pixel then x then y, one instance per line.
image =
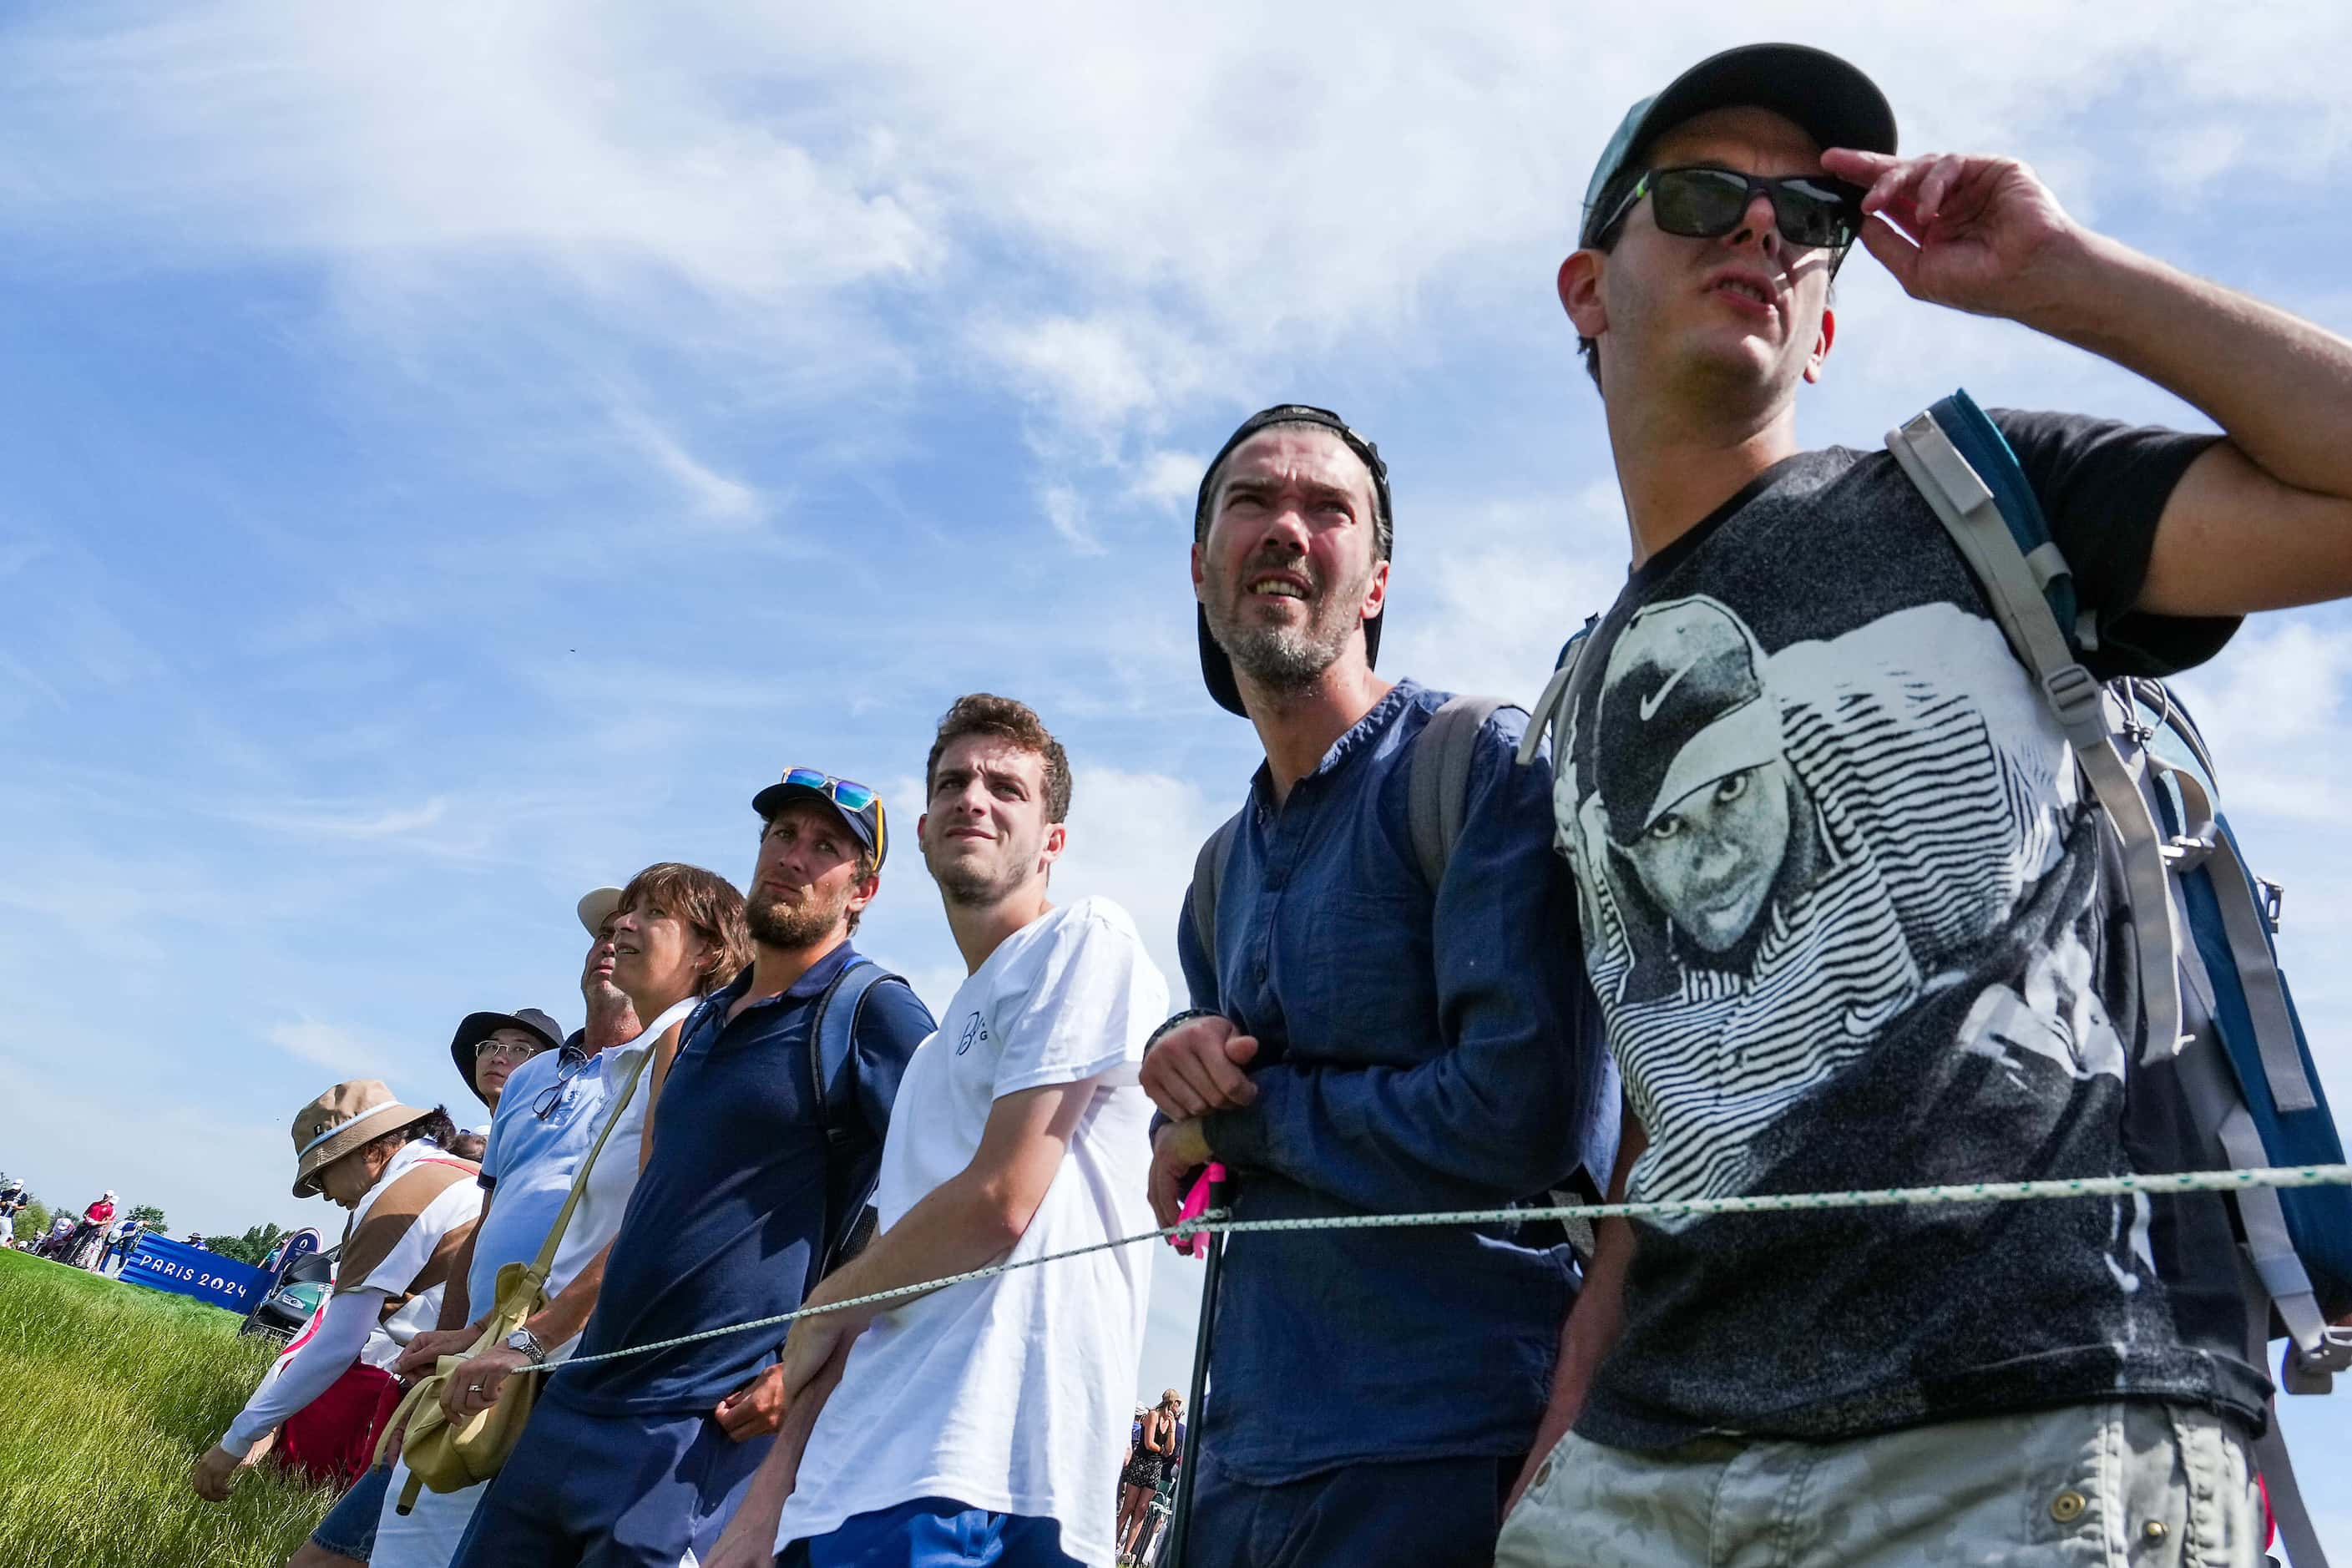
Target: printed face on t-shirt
pixel 1710 859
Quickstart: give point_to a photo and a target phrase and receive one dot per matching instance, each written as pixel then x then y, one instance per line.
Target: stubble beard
pixel 776 924
pixel 1283 659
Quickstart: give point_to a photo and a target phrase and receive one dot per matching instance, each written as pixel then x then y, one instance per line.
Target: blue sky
pixel 454 455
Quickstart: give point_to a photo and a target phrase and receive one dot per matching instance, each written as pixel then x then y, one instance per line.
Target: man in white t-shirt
pixel 982 1422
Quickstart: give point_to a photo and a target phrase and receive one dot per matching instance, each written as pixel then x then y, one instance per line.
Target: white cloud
pixel 1068 513
pixel 713 495
pixel 329 1046
pixel 1168 480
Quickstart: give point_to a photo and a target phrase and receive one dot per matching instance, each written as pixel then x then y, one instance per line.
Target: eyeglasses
pixel 484 1050
pixel 847 794
pixel 543 1104
pixel 1810 210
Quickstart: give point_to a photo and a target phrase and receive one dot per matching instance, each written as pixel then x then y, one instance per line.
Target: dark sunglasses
pixel 543 1104
pixel 1810 210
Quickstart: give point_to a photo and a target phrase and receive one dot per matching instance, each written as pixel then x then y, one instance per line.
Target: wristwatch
pixel 526 1342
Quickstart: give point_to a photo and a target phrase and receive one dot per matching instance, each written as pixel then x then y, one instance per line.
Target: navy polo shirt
pixel 728 1221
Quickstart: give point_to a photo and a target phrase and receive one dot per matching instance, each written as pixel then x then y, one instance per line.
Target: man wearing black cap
pixel 1847 904
pixel 1366 1040
pixel 750 1185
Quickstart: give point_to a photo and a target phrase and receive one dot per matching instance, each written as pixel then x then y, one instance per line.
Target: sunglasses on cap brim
pixel 848 794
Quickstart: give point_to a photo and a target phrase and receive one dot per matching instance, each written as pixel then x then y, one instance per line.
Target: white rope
pixel 1220 1220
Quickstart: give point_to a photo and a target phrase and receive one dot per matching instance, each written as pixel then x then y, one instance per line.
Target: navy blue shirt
pixel 727 1223
pixel 1419 1049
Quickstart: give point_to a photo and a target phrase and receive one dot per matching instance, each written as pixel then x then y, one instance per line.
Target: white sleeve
pixel 1081 1006
pixel 342 1332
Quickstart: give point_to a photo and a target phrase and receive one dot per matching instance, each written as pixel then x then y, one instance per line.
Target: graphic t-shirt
pixel 1856 923
pixel 1007 1394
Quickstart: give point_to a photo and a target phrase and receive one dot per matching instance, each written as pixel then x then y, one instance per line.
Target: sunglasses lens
pixel 851 797
pixel 1816 213
pixel 1697 204
pixel 807 778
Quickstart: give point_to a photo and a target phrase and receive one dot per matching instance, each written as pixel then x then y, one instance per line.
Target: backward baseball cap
pixel 1216 665
pixel 1835 103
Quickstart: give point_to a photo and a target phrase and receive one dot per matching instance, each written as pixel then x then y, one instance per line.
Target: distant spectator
pixel 122 1237
pixel 89 1243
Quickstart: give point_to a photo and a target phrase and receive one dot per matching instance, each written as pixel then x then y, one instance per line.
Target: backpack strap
pixel 1438 791
pixel 1995 546
pixel 832 1048
pixel 1208 872
pixel 1547 715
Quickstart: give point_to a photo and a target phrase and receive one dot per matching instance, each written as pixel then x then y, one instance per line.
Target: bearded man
pixel 642 1460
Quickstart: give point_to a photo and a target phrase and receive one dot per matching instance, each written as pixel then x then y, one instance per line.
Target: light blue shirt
pixel 529 1161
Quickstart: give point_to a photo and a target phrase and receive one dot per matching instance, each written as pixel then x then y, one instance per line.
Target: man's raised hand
pixel 1196 1067
pixel 1985 233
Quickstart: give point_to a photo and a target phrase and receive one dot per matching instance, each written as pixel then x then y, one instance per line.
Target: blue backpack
pixel 849 1172
pixel 2213 997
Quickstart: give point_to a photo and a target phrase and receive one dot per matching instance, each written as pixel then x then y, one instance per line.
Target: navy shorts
pixel 934 1532
pixel 609 1491
pixel 1433 1513
pixel 349 1528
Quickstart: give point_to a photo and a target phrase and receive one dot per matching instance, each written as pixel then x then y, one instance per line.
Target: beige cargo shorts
pixel 2147 1486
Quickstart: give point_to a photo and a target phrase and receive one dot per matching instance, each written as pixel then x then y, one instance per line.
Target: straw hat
pixel 339 1121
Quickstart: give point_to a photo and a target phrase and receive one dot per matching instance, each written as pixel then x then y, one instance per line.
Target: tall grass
pixel 108 1393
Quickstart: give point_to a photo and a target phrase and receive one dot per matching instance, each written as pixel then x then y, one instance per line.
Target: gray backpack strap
pixel 1207 870
pixel 2288 1511
pixel 1965 505
pixel 1440 784
pixel 1547 714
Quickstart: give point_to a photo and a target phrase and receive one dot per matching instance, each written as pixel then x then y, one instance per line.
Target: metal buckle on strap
pixel 2313 1371
pixel 2185 854
pixel 2074 696
pixel 2271 898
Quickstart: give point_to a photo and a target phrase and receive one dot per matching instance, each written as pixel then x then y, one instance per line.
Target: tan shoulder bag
pixel 450 1455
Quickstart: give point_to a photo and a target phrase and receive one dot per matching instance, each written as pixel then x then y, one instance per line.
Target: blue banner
pixel 185 1270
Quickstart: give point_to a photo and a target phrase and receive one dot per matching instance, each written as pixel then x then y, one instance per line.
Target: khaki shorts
pixel 2150 1486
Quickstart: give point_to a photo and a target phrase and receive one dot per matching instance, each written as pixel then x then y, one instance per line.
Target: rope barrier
pixel 1222 1220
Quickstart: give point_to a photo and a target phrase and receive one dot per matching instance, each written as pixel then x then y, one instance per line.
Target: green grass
pixel 108 1393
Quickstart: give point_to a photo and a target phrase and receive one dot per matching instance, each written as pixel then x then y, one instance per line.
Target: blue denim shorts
pixel 349 1528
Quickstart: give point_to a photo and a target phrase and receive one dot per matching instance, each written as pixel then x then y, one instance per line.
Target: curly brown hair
pixel 983 713
pixel 710 907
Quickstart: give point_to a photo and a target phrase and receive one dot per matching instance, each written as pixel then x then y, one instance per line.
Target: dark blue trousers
pixel 609 1491
pixel 933 1532
pixel 1431 1513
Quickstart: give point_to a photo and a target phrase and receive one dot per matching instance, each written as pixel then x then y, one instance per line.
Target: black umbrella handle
pixel 1181 1519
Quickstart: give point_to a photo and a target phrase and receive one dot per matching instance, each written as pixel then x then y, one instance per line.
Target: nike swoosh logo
pixel 1862 1020
pixel 1649 703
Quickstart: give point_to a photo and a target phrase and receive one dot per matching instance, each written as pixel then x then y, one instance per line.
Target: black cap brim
pixel 770 800
pixel 1217 669
pixel 475 1028
pixel 1835 103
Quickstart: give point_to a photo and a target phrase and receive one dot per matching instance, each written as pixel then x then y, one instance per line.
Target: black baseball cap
pixel 858 806
pixel 1216 668
pixel 480 1027
pixel 1836 104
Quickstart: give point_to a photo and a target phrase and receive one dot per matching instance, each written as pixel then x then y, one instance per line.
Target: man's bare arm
pixel 2262 520
pixel 1593 1323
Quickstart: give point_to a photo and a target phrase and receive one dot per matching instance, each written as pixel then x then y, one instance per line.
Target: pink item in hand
pixel 1196 1203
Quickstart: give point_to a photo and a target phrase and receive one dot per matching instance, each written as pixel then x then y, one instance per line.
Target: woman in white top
pixel 678 934
pixel 413 1204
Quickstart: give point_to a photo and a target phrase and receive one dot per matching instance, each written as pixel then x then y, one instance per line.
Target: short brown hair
pixel 710 907
pixel 984 714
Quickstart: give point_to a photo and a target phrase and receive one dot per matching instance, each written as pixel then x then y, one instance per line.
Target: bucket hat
pixel 341 1120
pixel 479 1026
